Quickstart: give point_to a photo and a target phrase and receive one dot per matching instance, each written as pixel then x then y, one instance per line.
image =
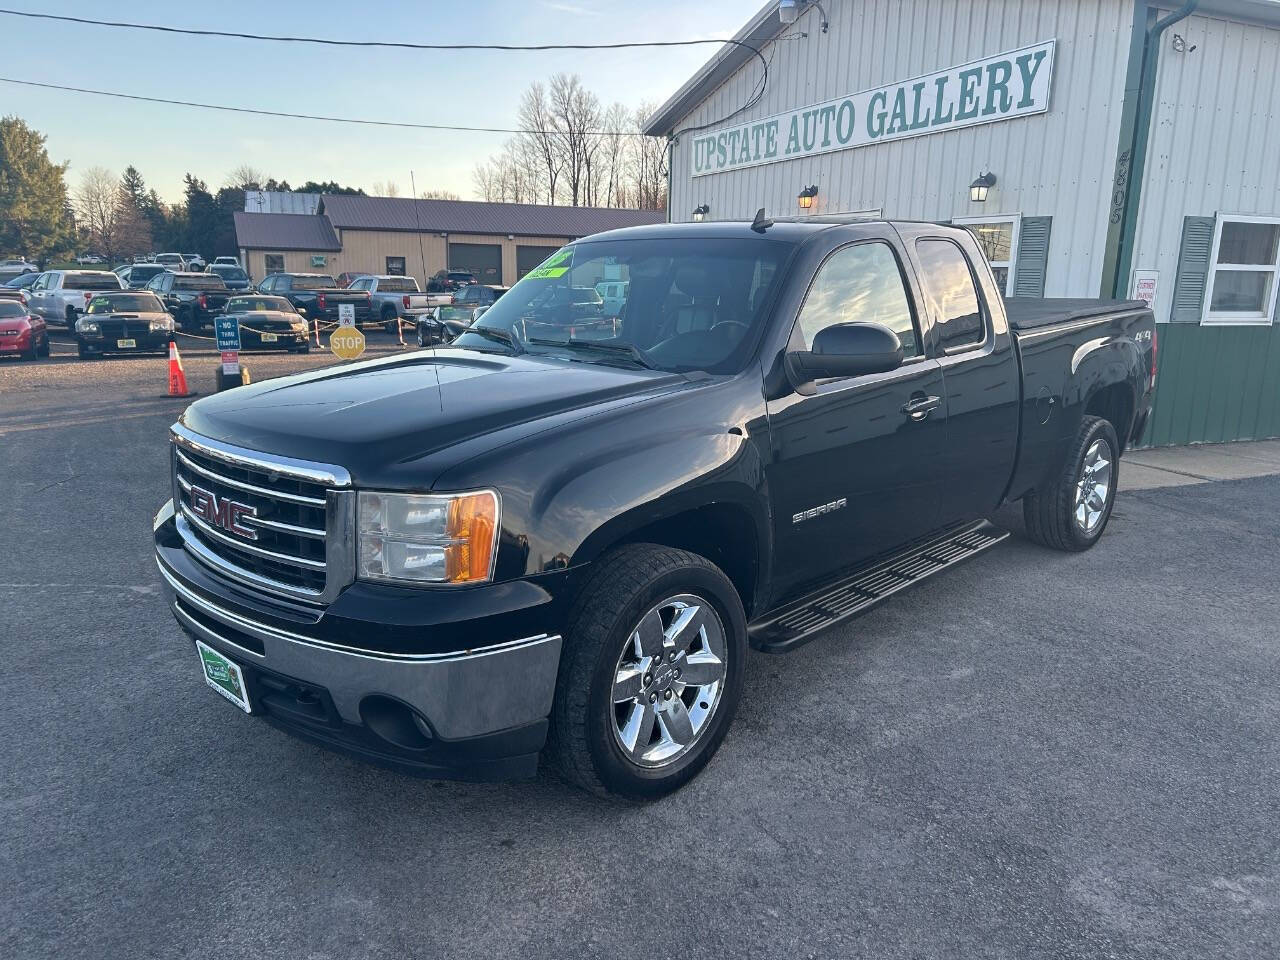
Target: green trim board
pixel 1215 384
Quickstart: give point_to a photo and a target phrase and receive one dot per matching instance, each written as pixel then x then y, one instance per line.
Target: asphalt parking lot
pixel 1034 755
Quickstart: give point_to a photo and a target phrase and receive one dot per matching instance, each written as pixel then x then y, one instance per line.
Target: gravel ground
pixel 1032 755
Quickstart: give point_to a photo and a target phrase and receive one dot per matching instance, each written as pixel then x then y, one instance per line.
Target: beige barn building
pixel 498 242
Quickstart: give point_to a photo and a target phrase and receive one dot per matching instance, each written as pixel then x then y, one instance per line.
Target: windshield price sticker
pixel 557 265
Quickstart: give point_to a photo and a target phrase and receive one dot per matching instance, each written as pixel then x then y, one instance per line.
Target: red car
pixel 21 332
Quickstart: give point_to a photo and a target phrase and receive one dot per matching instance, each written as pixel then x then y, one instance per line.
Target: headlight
pixel 87 326
pixel 160 326
pixel 428 538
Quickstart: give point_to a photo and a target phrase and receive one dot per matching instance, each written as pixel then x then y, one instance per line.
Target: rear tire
pixel 70 319
pixel 675 723
pixel 84 354
pixel 389 321
pixel 1073 511
pixel 45 348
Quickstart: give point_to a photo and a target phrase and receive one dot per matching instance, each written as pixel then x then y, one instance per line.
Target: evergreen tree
pixel 35 217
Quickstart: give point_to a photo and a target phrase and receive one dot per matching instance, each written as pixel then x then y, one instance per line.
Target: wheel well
pixel 1113 403
pixel 721 532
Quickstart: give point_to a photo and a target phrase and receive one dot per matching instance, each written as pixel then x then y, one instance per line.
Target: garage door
pixel 484 260
pixel 529 257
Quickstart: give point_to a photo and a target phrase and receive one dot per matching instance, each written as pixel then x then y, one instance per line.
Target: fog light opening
pixel 395 723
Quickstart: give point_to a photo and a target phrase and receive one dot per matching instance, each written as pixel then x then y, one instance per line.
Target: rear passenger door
pixel 856 462
pixel 980 373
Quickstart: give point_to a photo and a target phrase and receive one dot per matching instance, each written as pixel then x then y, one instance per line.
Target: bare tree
pixel 535 117
pixel 648 164
pixel 97 208
pixel 575 111
pixel 133 227
pixel 614 152
pixel 385 188
pixel 438 195
pixel 245 177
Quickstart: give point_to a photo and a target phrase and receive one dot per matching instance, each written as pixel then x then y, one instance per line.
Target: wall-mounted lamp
pixel 699 213
pixel 978 189
pixel 805 197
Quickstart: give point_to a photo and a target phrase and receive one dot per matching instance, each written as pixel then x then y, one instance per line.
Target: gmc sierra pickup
pixel 556 536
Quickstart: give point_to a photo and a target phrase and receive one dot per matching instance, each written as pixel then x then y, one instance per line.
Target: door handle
pixel 917 408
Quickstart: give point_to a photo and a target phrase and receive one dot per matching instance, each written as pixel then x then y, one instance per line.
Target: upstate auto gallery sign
pixel 1008 85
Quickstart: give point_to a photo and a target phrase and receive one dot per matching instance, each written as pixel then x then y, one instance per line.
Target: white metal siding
pixel 1215 139
pixel 1058 164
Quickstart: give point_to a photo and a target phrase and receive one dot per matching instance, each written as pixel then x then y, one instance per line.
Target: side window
pixel 948 283
pixel 861 283
pixel 41 283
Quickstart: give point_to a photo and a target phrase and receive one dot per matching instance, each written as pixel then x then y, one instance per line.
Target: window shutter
pixel 1033 257
pixel 1193 269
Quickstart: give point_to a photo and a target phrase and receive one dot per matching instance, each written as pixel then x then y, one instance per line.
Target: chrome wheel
pixel 668 680
pixel 1094 486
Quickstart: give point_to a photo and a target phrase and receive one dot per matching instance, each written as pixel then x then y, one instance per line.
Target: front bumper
pixel 143 343
pixel 478 713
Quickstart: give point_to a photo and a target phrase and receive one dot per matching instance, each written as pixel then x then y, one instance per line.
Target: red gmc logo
pixel 225 513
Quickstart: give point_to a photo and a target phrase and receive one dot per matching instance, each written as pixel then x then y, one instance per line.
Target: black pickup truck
pixel 317 296
pixel 555 537
pixel 193 299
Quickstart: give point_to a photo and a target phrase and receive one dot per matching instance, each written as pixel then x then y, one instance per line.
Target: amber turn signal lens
pixel 473 524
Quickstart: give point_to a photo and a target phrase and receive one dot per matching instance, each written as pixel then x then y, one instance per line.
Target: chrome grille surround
pixel 305 518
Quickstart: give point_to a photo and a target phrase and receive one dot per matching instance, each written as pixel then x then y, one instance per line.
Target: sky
pixel 471 88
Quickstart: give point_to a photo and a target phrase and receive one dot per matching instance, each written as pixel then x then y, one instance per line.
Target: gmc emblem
pixel 225 513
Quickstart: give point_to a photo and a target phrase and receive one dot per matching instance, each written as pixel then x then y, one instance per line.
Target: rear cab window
pixel 948 283
pixel 90 281
pixel 314 283
pixel 208 282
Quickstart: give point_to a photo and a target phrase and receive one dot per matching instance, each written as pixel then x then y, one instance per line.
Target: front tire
pixel 651 674
pixel 1073 511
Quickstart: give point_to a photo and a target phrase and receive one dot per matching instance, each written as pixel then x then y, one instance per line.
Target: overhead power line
pixel 756 96
pixel 304 116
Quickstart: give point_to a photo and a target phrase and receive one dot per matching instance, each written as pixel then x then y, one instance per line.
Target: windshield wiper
pixel 501 336
pixel 618 347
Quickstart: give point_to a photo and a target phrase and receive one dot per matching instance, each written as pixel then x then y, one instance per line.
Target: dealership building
pixel 497 242
pixel 1095 147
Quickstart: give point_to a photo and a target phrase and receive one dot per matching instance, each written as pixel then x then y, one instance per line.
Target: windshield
pixel 126 303
pixel 684 304
pixel 314 283
pixel 228 272
pixel 259 305
pixel 12 308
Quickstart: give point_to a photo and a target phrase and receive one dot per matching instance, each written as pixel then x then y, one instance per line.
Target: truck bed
pixel 1030 313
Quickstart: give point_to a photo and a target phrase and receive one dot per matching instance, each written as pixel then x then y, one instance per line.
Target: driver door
pixel 857 462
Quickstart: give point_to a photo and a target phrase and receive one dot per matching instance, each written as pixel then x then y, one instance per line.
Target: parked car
pixel 59 296
pixel 173 261
pixel 442 324
pixel 344 280
pixel 136 276
pixel 613 293
pixel 232 274
pixel 22 332
pixel 86 259
pixel 447 281
pixel 195 262
pixel 268 322
pixel 317 296
pixel 15 267
pixel 193 299
pixel 477 295
pixel 581 538
pixel 225 261
pixel 16 289
pixel 132 321
pixel 393 298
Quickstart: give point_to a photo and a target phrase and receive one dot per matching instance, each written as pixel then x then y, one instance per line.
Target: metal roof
pixel 466 216
pixel 284 231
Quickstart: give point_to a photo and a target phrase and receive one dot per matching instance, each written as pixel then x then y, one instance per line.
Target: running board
pixel 837 602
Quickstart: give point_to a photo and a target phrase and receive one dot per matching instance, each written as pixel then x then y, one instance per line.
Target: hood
pixel 376 417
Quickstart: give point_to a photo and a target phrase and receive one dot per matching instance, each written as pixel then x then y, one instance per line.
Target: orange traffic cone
pixel 177 377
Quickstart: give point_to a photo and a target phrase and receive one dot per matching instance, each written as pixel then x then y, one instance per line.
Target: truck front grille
pixel 280 526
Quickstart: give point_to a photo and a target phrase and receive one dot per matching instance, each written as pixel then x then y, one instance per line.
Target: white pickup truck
pixel 60 296
pixel 396 298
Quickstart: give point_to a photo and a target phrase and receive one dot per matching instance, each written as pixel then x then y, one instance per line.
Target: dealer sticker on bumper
pixel 224 676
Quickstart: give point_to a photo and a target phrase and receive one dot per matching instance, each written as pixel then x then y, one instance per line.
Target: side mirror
pixel 846 350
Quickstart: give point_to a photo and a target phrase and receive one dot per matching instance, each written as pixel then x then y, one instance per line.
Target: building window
pixel 395 266
pixel 274 262
pixel 1243 270
pixel 998 239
